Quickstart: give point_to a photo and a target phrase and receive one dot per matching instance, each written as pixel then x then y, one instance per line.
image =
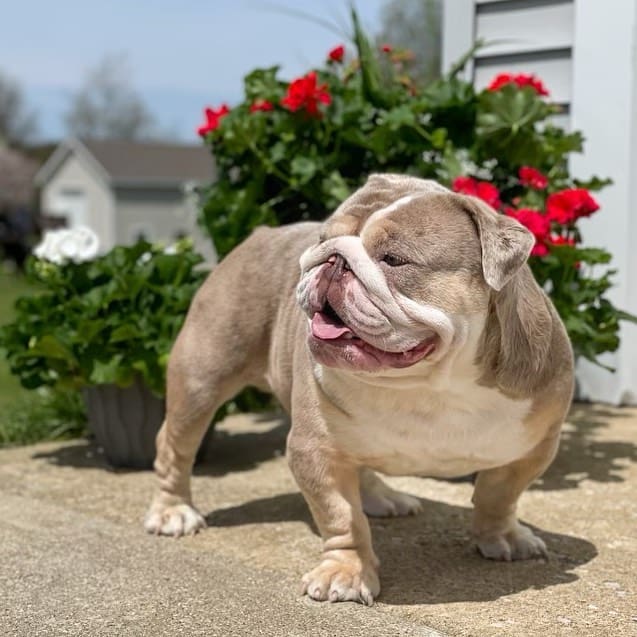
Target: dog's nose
pixel 339 262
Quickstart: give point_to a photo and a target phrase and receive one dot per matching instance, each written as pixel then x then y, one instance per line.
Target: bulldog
pixel 412 340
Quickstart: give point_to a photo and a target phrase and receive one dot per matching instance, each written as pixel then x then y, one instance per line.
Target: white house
pixel 585 51
pixel 127 190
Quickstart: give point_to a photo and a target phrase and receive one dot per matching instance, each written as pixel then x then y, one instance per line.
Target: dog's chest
pixel 435 433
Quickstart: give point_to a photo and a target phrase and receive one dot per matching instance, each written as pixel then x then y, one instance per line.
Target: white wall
pixel 605 109
pixel 586 51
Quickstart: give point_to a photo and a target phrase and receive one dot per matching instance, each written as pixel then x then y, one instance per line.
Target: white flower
pixel 60 246
pixel 144 258
pixel 46 249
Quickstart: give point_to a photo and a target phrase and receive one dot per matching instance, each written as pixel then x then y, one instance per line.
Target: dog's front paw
pixel 337 580
pixel 175 520
pixel 520 543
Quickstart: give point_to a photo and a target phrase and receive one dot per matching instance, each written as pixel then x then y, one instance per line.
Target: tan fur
pixel 505 376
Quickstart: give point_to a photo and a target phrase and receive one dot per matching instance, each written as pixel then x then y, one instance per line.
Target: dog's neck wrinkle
pixel 458 364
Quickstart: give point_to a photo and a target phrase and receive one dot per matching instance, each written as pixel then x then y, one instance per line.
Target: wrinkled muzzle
pixel 339 279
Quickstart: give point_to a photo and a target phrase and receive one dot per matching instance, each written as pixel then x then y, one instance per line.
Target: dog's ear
pixel 521 350
pixel 506 243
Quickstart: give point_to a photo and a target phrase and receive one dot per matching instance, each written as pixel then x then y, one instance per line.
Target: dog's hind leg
pixel 497 531
pixel 211 361
pixel 193 396
pixel 223 347
pixel 380 500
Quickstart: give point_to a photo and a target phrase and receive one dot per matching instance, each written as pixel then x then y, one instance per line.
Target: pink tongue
pixel 323 328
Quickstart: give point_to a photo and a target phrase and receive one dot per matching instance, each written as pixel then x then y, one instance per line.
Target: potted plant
pixel 104 325
pixel 294 150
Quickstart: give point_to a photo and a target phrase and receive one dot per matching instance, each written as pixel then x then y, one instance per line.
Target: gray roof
pixel 152 161
pixel 133 162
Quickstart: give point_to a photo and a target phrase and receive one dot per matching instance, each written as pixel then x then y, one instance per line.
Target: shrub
pixel 294 151
pixel 103 320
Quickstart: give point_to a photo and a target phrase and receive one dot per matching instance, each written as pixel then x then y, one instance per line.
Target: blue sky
pixel 182 54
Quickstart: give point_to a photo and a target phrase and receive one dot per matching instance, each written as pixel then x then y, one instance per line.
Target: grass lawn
pixel 11 287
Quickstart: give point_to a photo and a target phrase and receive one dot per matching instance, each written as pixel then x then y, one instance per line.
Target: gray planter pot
pixel 125 422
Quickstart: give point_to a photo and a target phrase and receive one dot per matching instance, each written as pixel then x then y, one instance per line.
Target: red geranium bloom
pixel 534 220
pixel 337 53
pixel 566 206
pixel 539 249
pixel 532 178
pixel 261 105
pixel 557 240
pixel 213 117
pixel 387 48
pixel 304 93
pixel 537 223
pixel 481 189
pixel 521 79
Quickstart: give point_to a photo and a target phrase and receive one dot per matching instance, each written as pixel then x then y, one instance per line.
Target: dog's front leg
pixel 349 568
pixel 497 532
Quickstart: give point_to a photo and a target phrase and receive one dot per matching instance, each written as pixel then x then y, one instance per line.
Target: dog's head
pixel 403 269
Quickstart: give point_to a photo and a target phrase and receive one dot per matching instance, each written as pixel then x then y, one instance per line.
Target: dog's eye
pixel 393 260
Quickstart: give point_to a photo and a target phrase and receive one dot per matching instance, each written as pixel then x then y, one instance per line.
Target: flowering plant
pixel 60 246
pixel 323 133
pixel 99 320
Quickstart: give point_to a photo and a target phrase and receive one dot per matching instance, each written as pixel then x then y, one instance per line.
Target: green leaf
pixel 304 168
pixel 106 372
pixel 336 188
pixel 397 117
pixel 370 70
pixel 439 138
pixel 594 183
pixel 262 84
pixel 50 346
pixel 125 332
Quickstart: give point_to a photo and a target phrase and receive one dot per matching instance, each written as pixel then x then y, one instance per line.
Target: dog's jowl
pixel 405 336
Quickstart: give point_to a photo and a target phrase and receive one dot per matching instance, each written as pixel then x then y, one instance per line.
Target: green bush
pixel 294 151
pixel 104 320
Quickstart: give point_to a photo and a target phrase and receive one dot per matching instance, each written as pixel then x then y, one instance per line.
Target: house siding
pixel 160 214
pixel 585 52
pixel 521 36
pixel 73 175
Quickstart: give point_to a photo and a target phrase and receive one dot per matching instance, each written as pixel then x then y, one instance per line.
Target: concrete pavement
pixel 75 560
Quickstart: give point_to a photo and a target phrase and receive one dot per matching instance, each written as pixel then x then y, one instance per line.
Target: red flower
pixel 521 79
pixel 566 206
pixel 337 53
pixel 213 117
pixel 387 48
pixel 261 105
pixel 532 178
pixel 481 189
pixel 539 250
pixel 304 93
pixel 557 240
pixel 537 223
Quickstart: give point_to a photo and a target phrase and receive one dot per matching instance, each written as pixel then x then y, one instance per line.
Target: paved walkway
pixel 75 560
